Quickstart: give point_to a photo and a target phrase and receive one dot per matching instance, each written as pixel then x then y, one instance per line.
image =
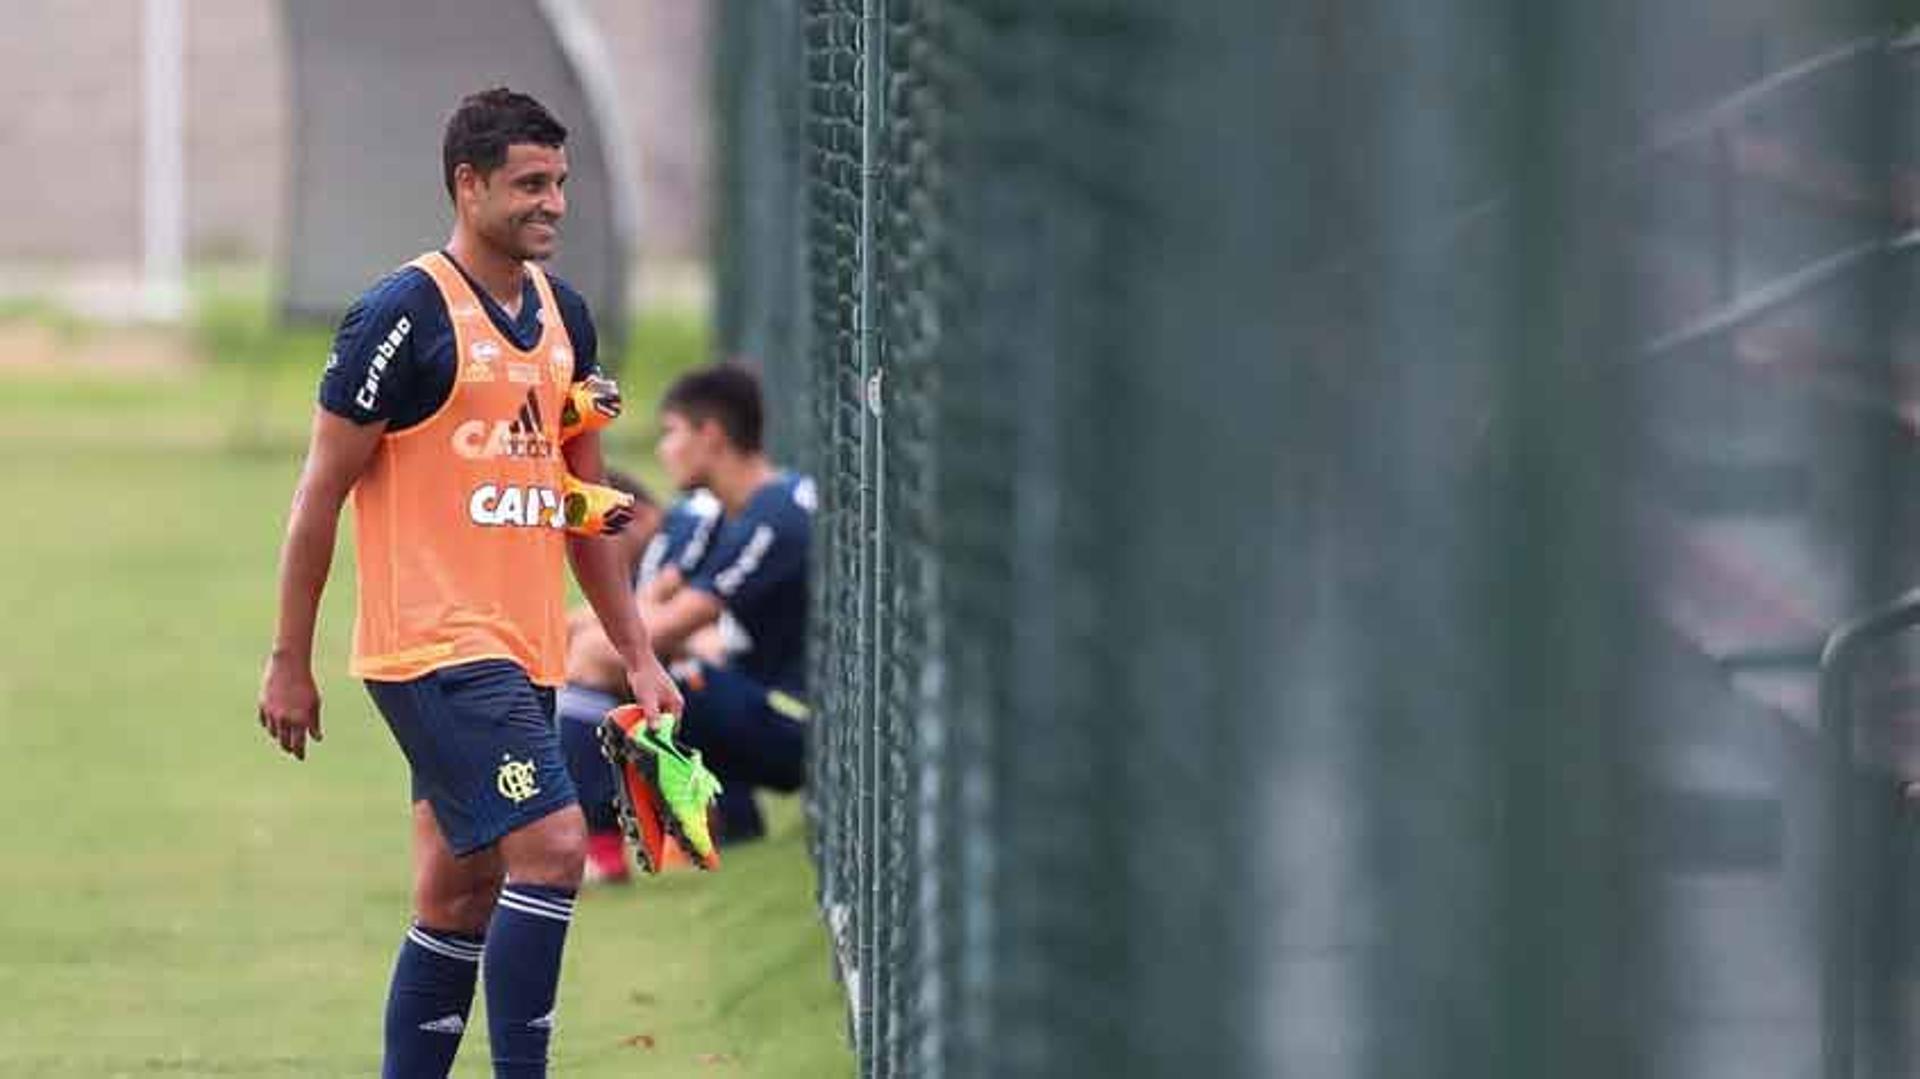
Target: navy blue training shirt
pixel 404 316
pixel 757 568
pixel 685 535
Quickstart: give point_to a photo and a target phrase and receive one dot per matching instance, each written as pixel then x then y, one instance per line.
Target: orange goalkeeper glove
pixel 591 404
pixel 594 510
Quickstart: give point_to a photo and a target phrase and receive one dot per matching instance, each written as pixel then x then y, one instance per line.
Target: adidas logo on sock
pixel 450 1024
pixel 545 1022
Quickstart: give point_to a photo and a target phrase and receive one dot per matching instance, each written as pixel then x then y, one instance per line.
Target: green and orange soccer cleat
pixel 663 789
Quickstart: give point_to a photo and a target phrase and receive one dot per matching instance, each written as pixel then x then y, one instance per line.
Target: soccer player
pixel 440 412
pixel 747 716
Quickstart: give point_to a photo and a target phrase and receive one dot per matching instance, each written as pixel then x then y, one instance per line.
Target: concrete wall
pixel 70 133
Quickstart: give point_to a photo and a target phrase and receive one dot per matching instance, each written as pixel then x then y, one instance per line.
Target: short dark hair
pixel 627 483
pixel 486 123
pixel 727 393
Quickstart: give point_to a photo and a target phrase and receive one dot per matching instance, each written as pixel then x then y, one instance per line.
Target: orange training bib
pixel 458 522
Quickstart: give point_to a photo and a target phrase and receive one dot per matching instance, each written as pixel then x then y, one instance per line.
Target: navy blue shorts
pixel 480 740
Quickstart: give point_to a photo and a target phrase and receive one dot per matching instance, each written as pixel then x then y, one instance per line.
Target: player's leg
pixel 581 710
pixel 485 754
pixel 535 822
pixel 747 739
pixel 739 815
pixel 744 733
pixel 455 893
pixel 431 993
pixel 528 936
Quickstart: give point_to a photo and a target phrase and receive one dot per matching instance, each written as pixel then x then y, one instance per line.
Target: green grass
pixel 182 900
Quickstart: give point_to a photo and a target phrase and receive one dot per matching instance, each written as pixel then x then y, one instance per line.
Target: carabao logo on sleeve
pixel 369 394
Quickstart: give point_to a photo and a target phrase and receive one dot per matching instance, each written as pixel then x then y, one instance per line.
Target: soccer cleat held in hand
pixel 664 790
pixel 591 404
pixel 637 805
pixel 593 510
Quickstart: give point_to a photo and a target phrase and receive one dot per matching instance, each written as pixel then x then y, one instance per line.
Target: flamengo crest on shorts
pixel 518 781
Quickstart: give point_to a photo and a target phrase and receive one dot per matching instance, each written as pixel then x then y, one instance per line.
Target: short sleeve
pixel 369 372
pixel 654 559
pixel 698 517
pixel 580 329
pixel 683 537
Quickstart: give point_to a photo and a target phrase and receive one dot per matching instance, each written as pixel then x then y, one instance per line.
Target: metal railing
pixel 1840 975
pixel 1845 903
pixel 1721 121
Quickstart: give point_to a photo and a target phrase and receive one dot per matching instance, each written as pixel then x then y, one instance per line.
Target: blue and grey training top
pixel 755 563
pixel 405 313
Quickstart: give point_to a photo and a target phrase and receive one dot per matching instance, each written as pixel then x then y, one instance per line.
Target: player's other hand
pixel 290 705
pixel 591 509
pixel 653 690
pixel 590 405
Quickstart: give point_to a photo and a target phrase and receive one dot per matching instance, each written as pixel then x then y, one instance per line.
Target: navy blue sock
pixel 524 943
pixel 740 818
pixel 428 1002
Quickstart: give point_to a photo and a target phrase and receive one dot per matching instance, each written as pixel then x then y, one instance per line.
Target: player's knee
pixel 465 906
pixel 560 862
pixel 551 851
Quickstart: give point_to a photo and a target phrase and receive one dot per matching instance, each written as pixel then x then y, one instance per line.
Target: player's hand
pixel 591 509
pixel 290 705
pixel 616 519
pixel 590 405
pixel 653 690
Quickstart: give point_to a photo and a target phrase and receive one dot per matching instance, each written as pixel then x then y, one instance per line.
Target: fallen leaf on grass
pixel 638 1041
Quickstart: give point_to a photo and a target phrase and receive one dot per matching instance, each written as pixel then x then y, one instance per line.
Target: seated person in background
pixel 580 707
pixel 730 608
pixel 676 552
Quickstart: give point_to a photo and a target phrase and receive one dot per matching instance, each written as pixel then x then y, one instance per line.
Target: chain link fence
pixel 1330 516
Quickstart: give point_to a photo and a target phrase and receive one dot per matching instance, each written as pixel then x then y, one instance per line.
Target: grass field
pixel 179 899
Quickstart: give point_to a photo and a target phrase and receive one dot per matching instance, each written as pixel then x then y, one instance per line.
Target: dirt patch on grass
pixel 31 345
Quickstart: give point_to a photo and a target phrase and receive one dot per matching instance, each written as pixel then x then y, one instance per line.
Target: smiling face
pixel 516 208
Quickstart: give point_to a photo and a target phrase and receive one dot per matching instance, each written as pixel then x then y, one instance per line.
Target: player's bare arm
pixel 596 565
pixel 593 660
pixel 708 645
pixel 684 614
pixel 338 452
pixel 661 586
